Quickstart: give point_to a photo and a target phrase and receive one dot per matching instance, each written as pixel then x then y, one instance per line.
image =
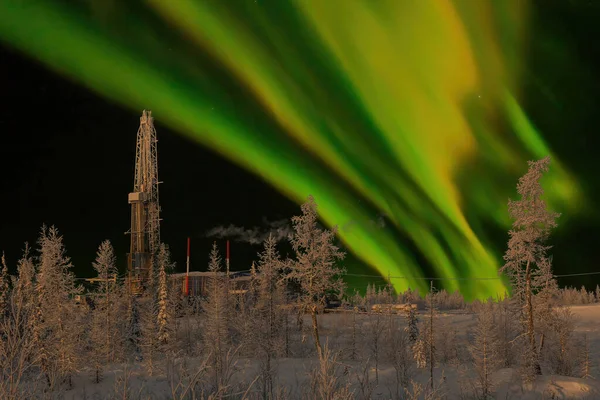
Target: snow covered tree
pixel 375 334
pixel 562 326
pixel 216 328
pixel 267 314
pixel 4 287
pixel 585 362
pixel 484 350
pixel 507 331
pixel 353 348
pixel 412 323
pixel 429 334
pixel 370 295
pixel 58 325
pixel 526 256
pixel 148 338
pixel 17 348
pixel 25 284
pixel 314 267
pixel 132 330
pixel 106 268
pixel 165 317
pixel 447 343
pixel 104 333
pixel 398 350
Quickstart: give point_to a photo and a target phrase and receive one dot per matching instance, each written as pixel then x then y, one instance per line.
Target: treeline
pixel 231 344
pixel 47 337
pixel 380 294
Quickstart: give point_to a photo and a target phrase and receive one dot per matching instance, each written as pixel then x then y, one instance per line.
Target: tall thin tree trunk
pixel 287 335
pixel 431 335
pixel 530 328
pixel 108 327
pixel 485 369
pixel 353 355
pixel 315 326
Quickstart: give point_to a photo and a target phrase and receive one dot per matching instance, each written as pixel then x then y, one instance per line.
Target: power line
pixel 581 274
pixel 460 279
pixel 432 278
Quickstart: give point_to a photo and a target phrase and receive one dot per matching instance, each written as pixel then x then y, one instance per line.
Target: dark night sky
pixel 67 159
pixel 67 155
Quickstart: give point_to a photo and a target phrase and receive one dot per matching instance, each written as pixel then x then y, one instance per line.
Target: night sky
pixel 413 153
pixel 68 160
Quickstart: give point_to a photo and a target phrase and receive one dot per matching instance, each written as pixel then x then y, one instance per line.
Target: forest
pixel 278 340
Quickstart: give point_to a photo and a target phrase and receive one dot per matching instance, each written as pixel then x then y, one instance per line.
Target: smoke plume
pixel 280 230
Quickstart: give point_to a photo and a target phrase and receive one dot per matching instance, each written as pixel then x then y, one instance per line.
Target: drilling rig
pixel 145 209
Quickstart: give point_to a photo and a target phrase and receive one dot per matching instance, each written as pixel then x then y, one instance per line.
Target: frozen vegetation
pixel 277 340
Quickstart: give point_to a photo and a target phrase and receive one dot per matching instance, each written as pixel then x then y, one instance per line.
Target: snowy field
pixel 294 375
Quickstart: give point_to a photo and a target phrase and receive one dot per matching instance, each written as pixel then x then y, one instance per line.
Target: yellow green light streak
pixel 385 102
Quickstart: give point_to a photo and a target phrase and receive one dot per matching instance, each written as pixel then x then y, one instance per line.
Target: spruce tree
pixel 104 334
pixel 216 328
pixel 58 320
pixel 106 268
pixel 165 317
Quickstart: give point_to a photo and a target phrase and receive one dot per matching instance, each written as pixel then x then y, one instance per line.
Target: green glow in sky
pixel 391 103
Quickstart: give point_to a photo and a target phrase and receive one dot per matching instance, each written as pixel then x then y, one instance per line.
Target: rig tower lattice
pixel 145 209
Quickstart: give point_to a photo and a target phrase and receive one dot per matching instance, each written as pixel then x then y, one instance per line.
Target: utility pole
pixel 187 270
pixel 431 334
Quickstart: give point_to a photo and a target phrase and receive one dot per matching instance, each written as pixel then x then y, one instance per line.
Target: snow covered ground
pixel 294 373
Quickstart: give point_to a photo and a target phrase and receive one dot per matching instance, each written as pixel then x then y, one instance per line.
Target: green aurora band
pixel 393 103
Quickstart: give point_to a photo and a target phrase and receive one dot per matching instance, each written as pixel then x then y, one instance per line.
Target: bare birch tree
pixel 399 354
pixel 268 315
pixel 562 326
pixel 17 348
pixel 375 334
pixel 484 350
pixel 315 266
pixel 507 331
pixel 532 224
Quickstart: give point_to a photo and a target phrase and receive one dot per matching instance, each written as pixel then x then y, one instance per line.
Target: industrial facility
pixel 145 223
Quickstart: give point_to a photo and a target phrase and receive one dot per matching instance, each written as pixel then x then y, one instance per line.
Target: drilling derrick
pixel 145 209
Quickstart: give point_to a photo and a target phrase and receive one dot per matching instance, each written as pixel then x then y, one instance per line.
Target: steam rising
pixel 280 230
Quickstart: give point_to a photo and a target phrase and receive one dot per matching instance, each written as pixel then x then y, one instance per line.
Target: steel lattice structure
pixel 145 208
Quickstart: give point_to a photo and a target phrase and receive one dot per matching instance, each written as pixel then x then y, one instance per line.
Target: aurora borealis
pixel 407 109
